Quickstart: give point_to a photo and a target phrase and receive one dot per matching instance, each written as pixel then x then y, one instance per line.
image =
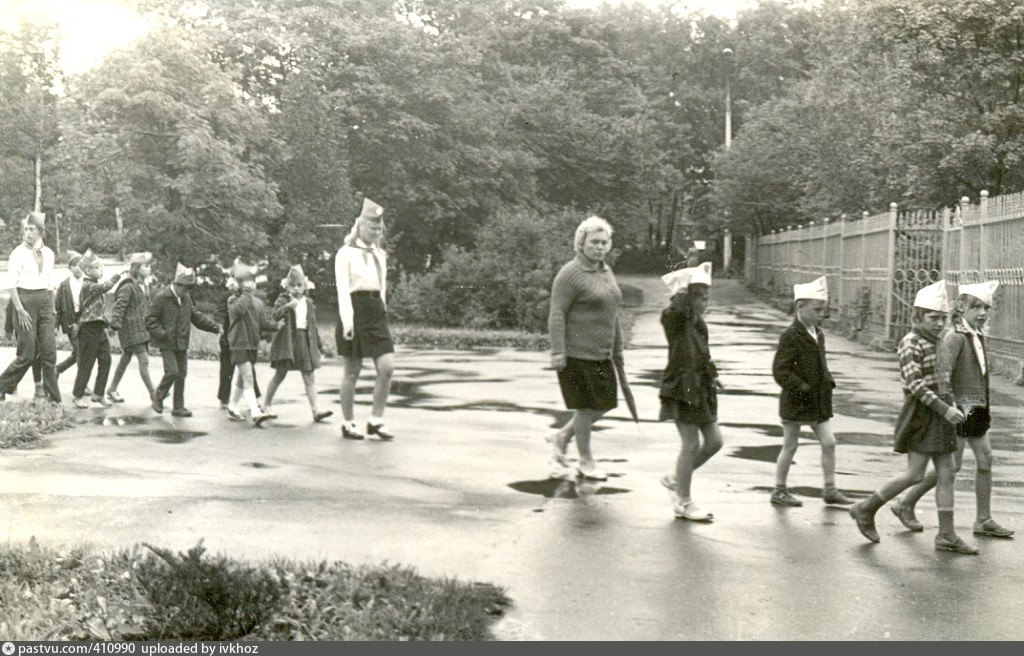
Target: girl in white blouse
pixel 360 270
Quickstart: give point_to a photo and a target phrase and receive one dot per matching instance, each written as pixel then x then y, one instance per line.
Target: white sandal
pixel 690 511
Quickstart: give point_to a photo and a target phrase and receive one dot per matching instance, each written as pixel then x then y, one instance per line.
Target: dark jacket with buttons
pixel 247 321
pixel 128 318
pixel 169 321
pixel 690 374
pixel 800 369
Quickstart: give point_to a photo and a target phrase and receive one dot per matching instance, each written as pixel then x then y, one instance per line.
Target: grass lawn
pixel 148 593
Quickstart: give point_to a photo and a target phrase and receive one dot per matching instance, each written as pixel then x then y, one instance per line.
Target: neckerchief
pixel 370 252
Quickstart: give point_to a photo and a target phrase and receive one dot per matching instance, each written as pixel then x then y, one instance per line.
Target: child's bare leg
pixel 275 382
pixel 309 381
pixel 348 387
pixel 790 438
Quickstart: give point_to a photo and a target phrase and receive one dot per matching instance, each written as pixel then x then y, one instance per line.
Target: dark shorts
pixel 241 356
pixel 588 384
pixel 979 420
pixel 371 336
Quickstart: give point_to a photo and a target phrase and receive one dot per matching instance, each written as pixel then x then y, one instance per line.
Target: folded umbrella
pixel 627 393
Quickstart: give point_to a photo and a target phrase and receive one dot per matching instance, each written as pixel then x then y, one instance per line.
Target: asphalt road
pixel 463 492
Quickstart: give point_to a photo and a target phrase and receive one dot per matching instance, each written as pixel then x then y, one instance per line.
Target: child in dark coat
pixel 247 320
pixel 93 343
pixel 297 345
pixel 800 369
pixel 169 322
pixel 128 318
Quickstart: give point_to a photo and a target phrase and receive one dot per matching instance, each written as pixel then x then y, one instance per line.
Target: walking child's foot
pixel 906 516
pixel 320 415
pixel 380 430
pixel 955 544
pixel 115 397
pixel 559 470
pixel 668 481
pixel 865 523
pixel 992 529
pixel 691 511
pixel 260 418
pixel 80 402
pixel 235 416
pixel 591 471
pixel 350 432
pixel 558 446
pixel 96 398
pixel 837 498
pixel 784 498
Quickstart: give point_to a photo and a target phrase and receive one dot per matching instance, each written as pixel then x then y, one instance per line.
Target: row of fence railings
pixel 876 264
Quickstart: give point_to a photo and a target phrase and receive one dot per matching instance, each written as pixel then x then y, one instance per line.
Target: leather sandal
pixel 991 528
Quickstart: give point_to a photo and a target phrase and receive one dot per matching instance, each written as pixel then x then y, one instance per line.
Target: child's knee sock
pixel 946 522
pixel 250 399
pixel 872 503
pixel 236 396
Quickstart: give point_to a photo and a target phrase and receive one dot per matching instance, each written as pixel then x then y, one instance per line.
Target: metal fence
pixel 875 264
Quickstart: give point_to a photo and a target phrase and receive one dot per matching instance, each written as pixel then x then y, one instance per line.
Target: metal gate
pixel 917 263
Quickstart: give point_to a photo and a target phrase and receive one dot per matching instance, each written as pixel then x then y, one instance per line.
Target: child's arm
pixel 204 322
pixel 783 365
pixel 121 300
pixel 281 307
pixel 153 324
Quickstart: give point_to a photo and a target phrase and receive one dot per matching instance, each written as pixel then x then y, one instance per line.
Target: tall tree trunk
pixel 38 207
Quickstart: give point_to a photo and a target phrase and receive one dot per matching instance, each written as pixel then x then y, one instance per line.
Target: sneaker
pixel 992 529
pixel 906 516
pixel 784 498
pixel 102 401
pixel 668 481
pixel 836 498
pixel 115 397
pixel 380 430
pixel 865 523
pixel 692 512
pixel 954 544
pixel 235 416
pixel 80 402
pixel 558 469
pixel 350 432
pixel 591 472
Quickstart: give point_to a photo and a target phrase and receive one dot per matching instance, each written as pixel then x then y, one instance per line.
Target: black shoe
pixel 380 430
pixel 260 418
pixel 350 434
pixel 158 406
pixel 323 414
pixel 865 523
pixel 181 412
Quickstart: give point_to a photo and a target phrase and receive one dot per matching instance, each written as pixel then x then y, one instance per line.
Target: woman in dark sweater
pixel 688 385
pixel 585 338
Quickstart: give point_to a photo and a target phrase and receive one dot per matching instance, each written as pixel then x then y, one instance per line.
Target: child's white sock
pixel 376 421
pixel 236 396
pixel 250 399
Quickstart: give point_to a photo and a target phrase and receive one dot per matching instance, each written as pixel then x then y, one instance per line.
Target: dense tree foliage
pixel 256 127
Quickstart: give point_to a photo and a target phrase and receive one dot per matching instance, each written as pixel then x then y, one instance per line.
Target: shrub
pixel 504 282
pixel 211 599
pixel 23 423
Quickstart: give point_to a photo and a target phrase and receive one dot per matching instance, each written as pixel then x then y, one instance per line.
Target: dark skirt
pixel 241 356
pixel 588 384
pixel 922 430
pixel 301 359
pixel 371 337
pixel 703 413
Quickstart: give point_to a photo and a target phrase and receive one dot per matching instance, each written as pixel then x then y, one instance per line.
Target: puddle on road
pixel 554 488
pixel 771 430
pixel 769 453
pixel 815 492
pixel 119 420
pixel 166 435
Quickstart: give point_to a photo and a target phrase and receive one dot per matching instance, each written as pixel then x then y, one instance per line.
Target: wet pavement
pixel 463 492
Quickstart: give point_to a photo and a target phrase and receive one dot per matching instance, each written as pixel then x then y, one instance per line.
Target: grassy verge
pixel 147 593
pixel 23 423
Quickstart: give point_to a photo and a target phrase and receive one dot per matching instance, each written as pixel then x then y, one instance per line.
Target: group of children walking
pixel 944 375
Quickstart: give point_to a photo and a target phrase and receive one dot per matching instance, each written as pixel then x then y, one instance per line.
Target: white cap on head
pixel 816 290
pixel 679 281
pixel 983 291
pixel 932 297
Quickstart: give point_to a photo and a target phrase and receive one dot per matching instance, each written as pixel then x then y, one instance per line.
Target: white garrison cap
pixel 983 291
pixel 932 297
pixel 678 281
pixel 816 290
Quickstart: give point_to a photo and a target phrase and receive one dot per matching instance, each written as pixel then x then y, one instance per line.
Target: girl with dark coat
pixel 128 318
pixel 296 345
pixel 688 385
pixel 247 321
pixel 800 369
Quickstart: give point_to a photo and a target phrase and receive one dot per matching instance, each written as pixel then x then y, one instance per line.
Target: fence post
pixel 965 203
pixel 944 246
pixel 891 272
pixel 842 251
pixel 863 247
pixel 982 246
